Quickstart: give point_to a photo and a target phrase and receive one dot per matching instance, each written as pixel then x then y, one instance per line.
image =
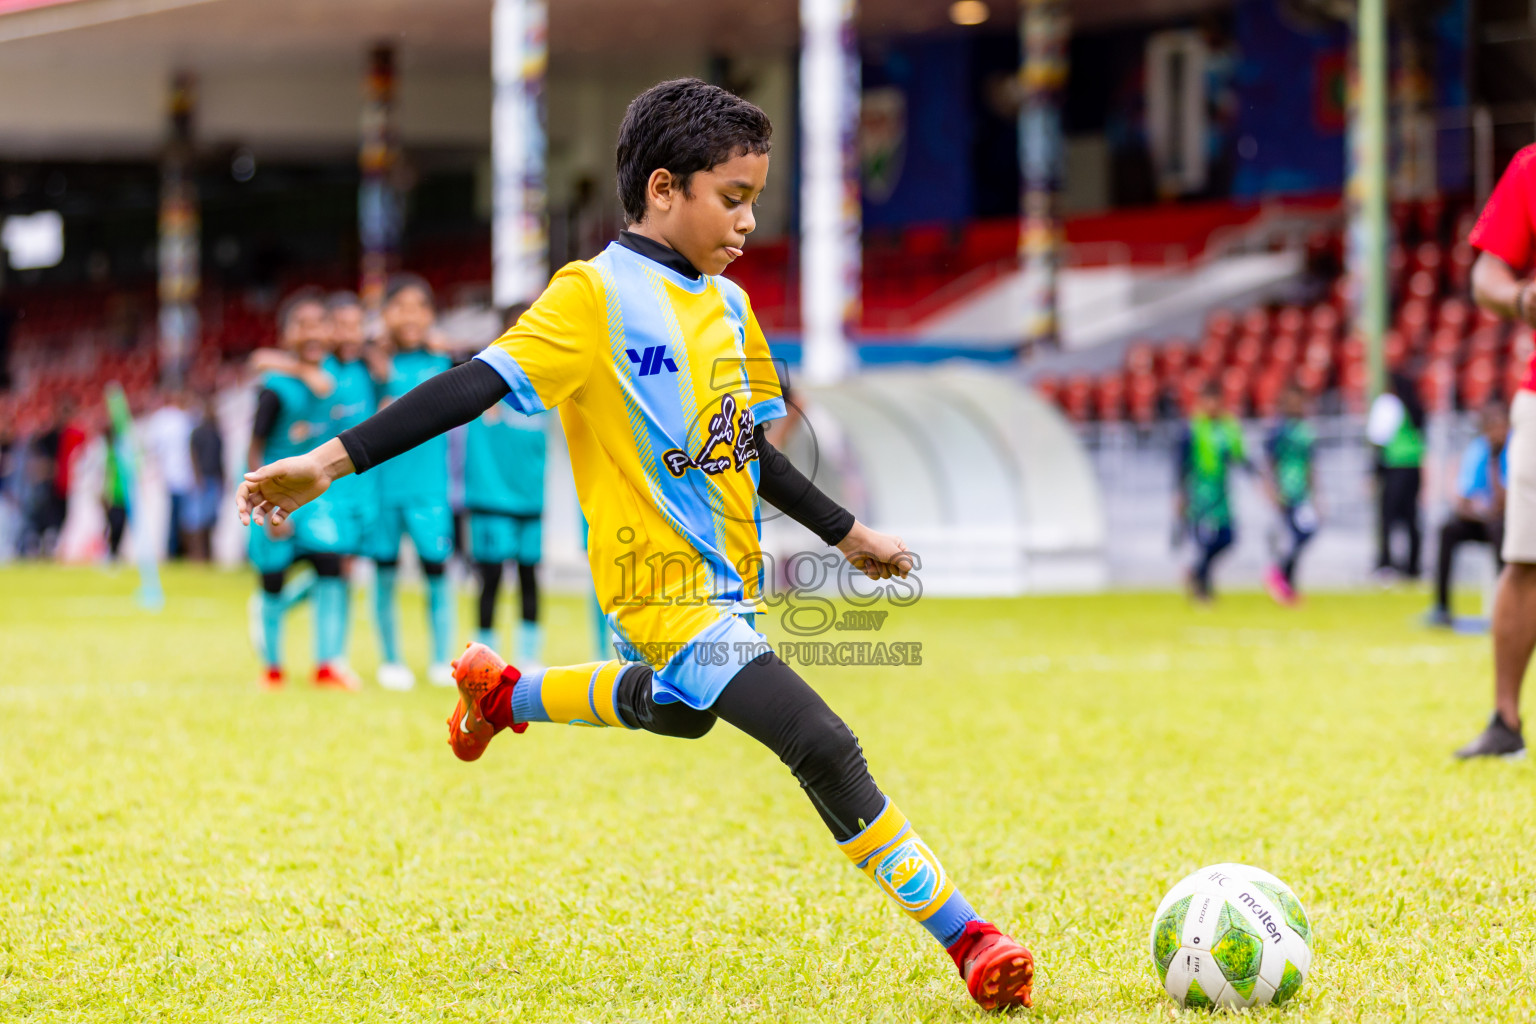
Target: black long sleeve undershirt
pixel 787 489
pixel 464 392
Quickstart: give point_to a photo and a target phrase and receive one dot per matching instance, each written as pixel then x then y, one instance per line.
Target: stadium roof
pixel 195 31
pixel 89 78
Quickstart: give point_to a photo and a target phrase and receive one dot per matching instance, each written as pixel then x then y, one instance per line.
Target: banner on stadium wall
pixel 1285 146
pixel 916 130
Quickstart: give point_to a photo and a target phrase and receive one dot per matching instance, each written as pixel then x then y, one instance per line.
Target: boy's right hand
pixel 271 494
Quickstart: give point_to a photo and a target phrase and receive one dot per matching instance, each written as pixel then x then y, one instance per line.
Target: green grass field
pixel 176 846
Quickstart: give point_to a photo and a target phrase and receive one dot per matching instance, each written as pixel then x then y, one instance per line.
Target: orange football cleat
pixel 998 972
pixel 485 682
pixel 271 679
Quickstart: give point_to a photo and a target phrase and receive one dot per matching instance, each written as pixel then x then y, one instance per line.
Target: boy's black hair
pixel 684 125
pixel 400 282
pixel 343 299
pixel 307 295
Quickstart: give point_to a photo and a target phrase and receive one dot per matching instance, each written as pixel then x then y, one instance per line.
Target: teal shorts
pixel 430 528
pixel 330 527
pixel 497 538
pixel 320 527
pixel 269 553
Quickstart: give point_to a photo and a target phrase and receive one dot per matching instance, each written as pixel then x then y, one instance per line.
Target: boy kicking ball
pixel 664 381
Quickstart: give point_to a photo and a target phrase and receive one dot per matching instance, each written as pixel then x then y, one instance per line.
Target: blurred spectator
pixel 1396 427
pixel 50 459
pixel 208 487
pixel 1210 446
pixel 1478 515
pixel 114 493
pixel 168 442
pixel 10 487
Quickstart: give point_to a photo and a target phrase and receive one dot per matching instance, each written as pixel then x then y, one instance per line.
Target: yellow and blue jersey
pixel 659 379
pixel 418 477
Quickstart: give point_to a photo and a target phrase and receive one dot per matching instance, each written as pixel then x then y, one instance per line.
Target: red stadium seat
pixel 1138 358
pixel 1291 320
pixel 1111 397
pixel 1477 383
pixel 1422 285
pixel 1234 390
pixel 1284 351
pixel 1445 344
pixel 1174 358
pixel 1141 398
pixel 1077 398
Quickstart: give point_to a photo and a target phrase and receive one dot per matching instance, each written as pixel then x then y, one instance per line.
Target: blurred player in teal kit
pixel 291 418
pixel 504 488
pixel 1292 481
pixel 413 492
pixel 1212 443
pixel 504 456
pixel 354 399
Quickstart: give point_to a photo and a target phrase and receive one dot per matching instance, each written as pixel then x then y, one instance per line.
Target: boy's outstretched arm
pixel 877 555
pixel 431 408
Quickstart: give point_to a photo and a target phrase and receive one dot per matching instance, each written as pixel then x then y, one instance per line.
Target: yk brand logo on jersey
pixel 652 360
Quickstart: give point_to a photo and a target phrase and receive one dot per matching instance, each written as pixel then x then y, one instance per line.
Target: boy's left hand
pixel 877 555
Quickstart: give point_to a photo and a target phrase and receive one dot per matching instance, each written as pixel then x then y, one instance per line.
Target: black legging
pixel 768 701
pixel 1399 507
pixel 1454 533
pixel 490 583
pixel 326 565
pixel 117 519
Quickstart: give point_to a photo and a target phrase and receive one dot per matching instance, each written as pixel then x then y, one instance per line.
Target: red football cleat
pixel 485 683
pixel 271 679
pixel 337 677
pixel 998 972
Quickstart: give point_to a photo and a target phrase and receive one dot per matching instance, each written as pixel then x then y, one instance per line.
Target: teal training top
pixel 419 476
pixel 354 399
pixel 302 420
pixel 504 462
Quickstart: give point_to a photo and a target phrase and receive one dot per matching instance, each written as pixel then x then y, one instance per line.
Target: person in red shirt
pixel 1502 283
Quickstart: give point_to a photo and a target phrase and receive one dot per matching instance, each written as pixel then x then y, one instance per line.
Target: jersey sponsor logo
pixel 725 427
pixel 652 360
pixel 910 874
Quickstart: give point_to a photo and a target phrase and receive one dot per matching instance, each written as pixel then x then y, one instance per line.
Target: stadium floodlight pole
pixel 1043 27
pixel 379 218
pixel 829 186
pixel 1371 184
pixel 519 236
pixel 179 229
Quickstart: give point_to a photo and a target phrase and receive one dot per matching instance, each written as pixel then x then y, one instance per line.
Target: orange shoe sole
pixel 1006 981
pixel 477 672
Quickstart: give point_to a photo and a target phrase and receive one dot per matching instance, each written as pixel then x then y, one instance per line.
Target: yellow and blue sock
pixel 890 853
pixel 571 694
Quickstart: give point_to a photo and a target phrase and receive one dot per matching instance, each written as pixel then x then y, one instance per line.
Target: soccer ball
pixel 1231 935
